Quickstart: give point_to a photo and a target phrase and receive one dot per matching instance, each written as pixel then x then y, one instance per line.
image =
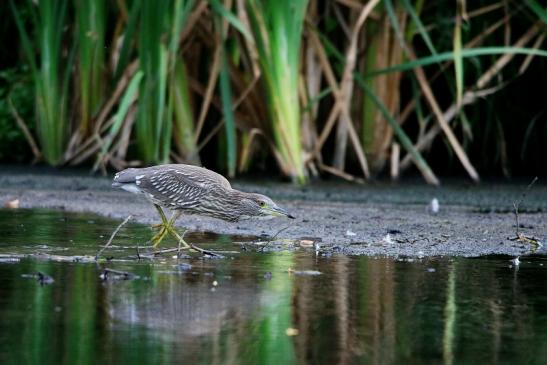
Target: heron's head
pixel 260 206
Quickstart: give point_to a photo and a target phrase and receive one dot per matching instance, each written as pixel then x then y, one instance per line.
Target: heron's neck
pixel 231 201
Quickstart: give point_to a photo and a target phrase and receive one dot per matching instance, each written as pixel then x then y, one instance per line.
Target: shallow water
pixel 232 311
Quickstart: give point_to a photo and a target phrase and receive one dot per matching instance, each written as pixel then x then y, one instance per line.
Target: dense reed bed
pixel 347 88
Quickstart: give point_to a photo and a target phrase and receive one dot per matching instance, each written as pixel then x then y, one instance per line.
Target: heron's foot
pixel 185 245
pixel 165 229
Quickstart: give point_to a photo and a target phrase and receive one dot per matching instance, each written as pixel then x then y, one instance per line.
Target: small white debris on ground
pixel 387 239
pixel 306 243
pixel 433 206
pixel 350 233
pixel 12 204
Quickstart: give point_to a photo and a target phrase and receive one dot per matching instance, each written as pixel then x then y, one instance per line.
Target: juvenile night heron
pixel 187 189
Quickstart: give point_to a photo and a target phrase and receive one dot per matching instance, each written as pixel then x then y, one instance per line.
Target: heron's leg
pixel 164 222
pixel 163 228
pixel 173 231
pixel 162 214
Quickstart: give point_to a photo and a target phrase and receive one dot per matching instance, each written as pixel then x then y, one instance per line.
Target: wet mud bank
pixel 375 219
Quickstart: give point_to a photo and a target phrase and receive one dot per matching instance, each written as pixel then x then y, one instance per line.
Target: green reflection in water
pixel 359 310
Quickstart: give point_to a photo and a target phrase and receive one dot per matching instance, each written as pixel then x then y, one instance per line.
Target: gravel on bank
pixel 372 219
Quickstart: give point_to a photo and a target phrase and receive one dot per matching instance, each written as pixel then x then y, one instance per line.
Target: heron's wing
pixel 201 176
pixel 182 186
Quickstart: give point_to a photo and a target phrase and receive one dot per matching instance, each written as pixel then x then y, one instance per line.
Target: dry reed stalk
pixel 434 105
pixel 345 124
pixel 87 147
pixel 384 51
pixel 471 96
pixel 394 165
pixel 411 105
pixel 340 93
pixel 340 173
pixel 213 77
pixel 310 89
pixel 26 132
pixel 246 149
pixel 220 123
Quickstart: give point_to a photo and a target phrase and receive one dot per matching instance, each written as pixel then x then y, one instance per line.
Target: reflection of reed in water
pixel 355 317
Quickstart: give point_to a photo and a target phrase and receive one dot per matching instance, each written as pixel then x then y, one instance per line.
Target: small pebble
pixel 12 204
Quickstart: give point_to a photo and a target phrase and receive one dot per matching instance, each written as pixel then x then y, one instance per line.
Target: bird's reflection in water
pixel 184 305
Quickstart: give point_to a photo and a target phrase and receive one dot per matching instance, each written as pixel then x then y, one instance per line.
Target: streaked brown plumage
pixel 191 189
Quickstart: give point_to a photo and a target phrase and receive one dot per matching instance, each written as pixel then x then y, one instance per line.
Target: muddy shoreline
pixel 375 219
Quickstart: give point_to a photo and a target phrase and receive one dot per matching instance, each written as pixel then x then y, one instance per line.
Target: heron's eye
pixel 262 204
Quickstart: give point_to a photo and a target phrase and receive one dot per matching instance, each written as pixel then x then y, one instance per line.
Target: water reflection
pixel 359 310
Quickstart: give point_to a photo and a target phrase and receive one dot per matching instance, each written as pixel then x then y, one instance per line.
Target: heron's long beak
pixel 282 212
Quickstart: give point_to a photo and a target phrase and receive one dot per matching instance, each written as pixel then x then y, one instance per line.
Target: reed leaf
pixel 128 40
pixel 420 162
pixel 229 119
pixel 457 45
pixel 183 117
pixel 153 131
pixel 128 98
pixel 540 11
pixel 230 18
pixel 90 19
pixel 277 29
pixel 413 13
pixel 51 85
pixel 447 56
pixel 180 107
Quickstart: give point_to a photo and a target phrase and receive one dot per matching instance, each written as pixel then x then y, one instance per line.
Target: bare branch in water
pixel 117 275
pixel 274 237
pixel 112 237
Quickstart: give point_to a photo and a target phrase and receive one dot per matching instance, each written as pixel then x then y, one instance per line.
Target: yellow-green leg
pixel 168 227
pixel 163 230
pixel 173 231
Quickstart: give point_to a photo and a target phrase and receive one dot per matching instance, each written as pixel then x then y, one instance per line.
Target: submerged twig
pixel 271 239
pixel 192 246
pixel 207 252
pixel 112 237
pixel 118 275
